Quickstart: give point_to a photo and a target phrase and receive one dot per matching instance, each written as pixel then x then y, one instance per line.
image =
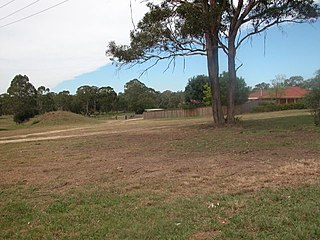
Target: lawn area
pixel 161 179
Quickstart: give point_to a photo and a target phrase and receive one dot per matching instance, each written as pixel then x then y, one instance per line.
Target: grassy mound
pixel 61 118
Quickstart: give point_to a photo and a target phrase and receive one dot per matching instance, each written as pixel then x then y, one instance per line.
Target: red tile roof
pixel 290 92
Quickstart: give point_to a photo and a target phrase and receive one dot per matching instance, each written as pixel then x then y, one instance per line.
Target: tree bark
pixel 213 72
pixel 232 81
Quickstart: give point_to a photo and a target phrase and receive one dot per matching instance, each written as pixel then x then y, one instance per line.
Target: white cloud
pixel 64 42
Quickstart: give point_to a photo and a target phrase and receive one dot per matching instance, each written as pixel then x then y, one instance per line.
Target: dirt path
pixel 82 132
pixel 133 125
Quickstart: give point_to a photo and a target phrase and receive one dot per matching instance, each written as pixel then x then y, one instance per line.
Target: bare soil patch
pixel 179 157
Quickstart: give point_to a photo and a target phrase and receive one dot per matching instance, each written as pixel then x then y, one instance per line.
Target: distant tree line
pixel 23 100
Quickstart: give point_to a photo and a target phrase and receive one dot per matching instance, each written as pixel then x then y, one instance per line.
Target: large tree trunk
pixel 232 82
pixel 213 70
pixel 212 43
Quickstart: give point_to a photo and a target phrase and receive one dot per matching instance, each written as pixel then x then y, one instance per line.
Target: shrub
pixel 270 107
pixel 23 116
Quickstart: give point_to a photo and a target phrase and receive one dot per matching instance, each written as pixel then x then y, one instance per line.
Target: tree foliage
pixel 139 97
pixel 277 87
pixel 184 28
pixel 294 81
pixel 171 100
pixel 194 91
pixel 262 85
pixel 23 98
pixel 241 95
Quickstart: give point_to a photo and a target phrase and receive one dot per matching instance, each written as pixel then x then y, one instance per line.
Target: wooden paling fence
pixel 196 112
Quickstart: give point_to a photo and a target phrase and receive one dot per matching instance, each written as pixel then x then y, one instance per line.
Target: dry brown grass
pixel 182 157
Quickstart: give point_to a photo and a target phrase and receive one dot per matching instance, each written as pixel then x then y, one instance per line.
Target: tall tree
pixel 190 27
pixel 245 18
pixel 177 28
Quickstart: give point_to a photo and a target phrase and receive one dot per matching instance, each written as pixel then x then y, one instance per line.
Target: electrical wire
pixel 7 3
pixel 34 14
pixel 19 10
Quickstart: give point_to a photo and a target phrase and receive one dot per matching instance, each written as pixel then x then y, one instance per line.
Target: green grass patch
pixel 270 214
pixel 294 123
pixel 253 135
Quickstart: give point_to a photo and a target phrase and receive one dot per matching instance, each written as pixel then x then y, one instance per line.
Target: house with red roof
pixel 282 96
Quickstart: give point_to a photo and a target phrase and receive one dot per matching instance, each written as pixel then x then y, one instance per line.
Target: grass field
pixel 70 178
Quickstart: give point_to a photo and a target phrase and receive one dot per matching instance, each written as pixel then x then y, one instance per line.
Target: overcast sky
pixel 63 48
pixel 61 43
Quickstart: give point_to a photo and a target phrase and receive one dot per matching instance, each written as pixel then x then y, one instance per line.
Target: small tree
pixel 241 94
pixel 23 98
pixel 277 87
pixel 194 91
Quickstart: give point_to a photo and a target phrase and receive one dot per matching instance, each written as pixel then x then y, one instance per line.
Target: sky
pixel 63 47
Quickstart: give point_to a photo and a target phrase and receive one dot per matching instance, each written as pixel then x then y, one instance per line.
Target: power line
pixel 7 3
pixel 19 10
pixel 34 14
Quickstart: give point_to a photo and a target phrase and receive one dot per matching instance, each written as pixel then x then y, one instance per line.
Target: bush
pixel 271 107
pixel 23 116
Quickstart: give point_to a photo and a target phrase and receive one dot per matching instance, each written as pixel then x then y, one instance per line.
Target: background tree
pixel 121 103
pixel 263 86
pixel 194 91
pixel 5 106
pixel 277 87
pixel 106 99
pixel 139 97
pixel 63 100
pixel 313 82
pixel 87 98
pixel 170 100
pixel 45 100
pixel 241 95
pixel 23 98
pixel 294 81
